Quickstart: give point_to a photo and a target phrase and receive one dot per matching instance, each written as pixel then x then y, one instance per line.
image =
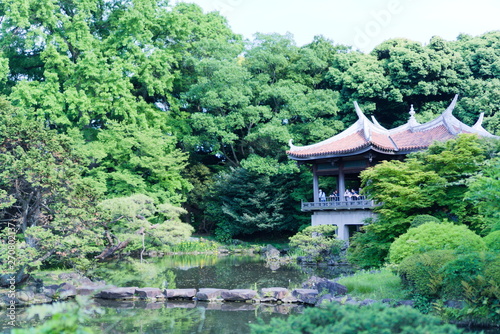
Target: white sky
pixel 360 23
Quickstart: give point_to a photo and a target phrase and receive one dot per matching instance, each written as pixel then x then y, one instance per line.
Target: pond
pixel 210 271
pixel 197 271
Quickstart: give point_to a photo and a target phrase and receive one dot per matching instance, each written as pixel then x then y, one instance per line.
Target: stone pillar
pixel 342 231
pixel 315 184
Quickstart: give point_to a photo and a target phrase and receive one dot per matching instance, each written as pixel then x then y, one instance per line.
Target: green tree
pixel 113 71
pixel 136 224
pixel 484 190
pixel 129 159
pixel 44 196
pixel 244 110
pixel 425 76
pixel 402 188
pixel 250 202
pixel 456 161
pixel 86 61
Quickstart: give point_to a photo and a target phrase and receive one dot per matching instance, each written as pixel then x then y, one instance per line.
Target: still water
pixel 197 271
pixel 209 271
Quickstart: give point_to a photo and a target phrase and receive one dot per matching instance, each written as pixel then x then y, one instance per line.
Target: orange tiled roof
pixel 365 135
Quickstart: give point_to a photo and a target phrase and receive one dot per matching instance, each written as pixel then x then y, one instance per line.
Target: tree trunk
pixel 110 250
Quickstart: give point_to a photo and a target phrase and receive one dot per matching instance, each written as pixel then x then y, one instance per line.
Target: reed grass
pixel 375 285
pixel 195 246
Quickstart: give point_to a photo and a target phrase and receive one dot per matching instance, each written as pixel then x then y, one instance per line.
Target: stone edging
pixel 267 295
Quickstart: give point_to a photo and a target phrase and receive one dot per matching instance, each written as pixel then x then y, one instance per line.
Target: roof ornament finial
pixel 412 121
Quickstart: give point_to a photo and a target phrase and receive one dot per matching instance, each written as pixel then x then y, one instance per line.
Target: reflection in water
pixel 186 317
pixel 207 271
pixel 195 271
pixel 198 271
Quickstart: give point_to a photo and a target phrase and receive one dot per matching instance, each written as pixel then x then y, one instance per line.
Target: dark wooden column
pixel 341 181
pixel 315 183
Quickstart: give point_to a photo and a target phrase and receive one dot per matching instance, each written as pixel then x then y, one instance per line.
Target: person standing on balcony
pixel 322 196
pixel 347 195
pixel 334 196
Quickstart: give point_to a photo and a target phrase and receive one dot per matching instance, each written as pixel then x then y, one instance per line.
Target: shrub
pixel 318 241
pixel 344 319
pixel 367 250
pixel 422 219
pixel 492 269
pixel 434 236
pixel 492 241
pixel 475 279
pixel 464 270
pixel 420 273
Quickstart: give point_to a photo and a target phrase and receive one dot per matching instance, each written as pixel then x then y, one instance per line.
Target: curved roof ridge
pixel 455 126
pixel 452 105
pixel 478 126
pixel 446 118
pixel 377 124
pixel 363 123
pixel 350 130
pixel 479 122
pixel 368 126
pixel 365 134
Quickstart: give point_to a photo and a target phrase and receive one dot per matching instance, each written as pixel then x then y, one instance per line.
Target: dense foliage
pixel 445 182
pixel 318 242
pixel 492 241
pixel 105 102
pixel 336 318
pixel 471 278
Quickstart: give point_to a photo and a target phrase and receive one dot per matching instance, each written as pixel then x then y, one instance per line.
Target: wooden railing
pixel 339 205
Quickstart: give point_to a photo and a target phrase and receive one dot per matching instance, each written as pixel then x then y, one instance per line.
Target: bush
pixel 422 219
pixel 472 278
pixel 434 236
pixel 492 269
pixel 367 250
pixel 318 241
pixel 344 319
pixel 475 279
pixel 465 270
pixel 492 241
pixel 420 273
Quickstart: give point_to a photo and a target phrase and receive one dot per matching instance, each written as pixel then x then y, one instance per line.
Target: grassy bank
pixel 375 285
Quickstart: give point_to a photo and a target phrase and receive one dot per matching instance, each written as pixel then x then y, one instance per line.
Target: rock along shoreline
pixel 313 292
